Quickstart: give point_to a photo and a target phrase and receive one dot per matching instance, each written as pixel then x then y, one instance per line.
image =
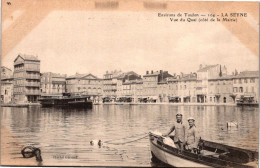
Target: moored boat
pixel 208 154
pixel 67 100
pixel 248 104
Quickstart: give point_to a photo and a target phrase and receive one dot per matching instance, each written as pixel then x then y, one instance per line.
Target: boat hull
pixel 171 159
pixel 248 104
pixel 209 154
pixel 66 102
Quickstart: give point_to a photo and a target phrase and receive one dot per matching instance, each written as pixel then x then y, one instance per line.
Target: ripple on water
pixel 69 131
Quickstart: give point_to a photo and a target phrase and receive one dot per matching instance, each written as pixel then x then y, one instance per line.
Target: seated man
pixel 179 132
pixel 192 136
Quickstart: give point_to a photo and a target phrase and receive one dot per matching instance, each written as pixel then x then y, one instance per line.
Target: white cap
pixel 191 118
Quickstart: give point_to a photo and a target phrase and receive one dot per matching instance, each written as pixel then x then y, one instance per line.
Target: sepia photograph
pixel 129 83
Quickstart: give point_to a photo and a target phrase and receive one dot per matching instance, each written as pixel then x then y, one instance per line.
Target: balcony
pixel 32 92
pixel 32 76
pixel 249 94
pixel 18 69
pixel 36 84
pixel 32 69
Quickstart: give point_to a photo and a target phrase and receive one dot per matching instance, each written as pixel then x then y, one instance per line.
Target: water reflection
pixel 63 131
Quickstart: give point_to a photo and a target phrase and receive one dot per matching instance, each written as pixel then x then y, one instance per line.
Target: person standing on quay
pixel 179 128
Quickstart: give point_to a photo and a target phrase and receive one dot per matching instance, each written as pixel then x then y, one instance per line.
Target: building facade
pixel 6 85
pixel 52 84
pixel 110 83
pixel 26 86
pixel 126 84
pixel 221 90
pixel 85 84
pixel 155 85
pixel 203 75
pixel 246 84
pixel 187 85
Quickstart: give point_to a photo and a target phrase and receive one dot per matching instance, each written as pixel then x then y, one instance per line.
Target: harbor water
pixel 64 134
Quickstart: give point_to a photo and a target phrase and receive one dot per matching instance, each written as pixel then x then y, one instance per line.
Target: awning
pixel 248 96
pixel 153 97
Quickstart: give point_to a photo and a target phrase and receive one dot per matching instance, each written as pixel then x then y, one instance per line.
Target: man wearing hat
pixel 192 136
pixel 179 128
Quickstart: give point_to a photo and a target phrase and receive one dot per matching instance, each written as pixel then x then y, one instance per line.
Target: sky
pixel 93 42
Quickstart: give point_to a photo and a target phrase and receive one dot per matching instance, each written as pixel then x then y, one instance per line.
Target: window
pixel 235 81
pixel 245 81
pixel 235 89
pixel 252 88
pixel 241 89
pixel 252 80
pixel 239 80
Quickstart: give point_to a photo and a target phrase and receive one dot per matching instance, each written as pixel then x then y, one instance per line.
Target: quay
pixel 20 105
pixel 171 104
pixel 209 85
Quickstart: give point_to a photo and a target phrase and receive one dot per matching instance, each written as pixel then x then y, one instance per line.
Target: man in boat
pixel 179 128
pixel 192 136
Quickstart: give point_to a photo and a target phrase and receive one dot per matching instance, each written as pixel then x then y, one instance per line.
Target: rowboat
pixel 208 154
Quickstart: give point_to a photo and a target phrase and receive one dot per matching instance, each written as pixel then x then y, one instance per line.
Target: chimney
pixel 181 74
pixel 147 72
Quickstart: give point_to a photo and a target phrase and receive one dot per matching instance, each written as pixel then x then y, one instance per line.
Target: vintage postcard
pixel 129 83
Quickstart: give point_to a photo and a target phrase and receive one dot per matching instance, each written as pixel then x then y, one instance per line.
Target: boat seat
pixel 210 153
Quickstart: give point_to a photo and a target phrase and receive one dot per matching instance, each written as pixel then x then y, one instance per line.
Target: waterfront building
pixel 221 90
pixel 155 85
pixel 26 86
pixel 6 85
pixel 110 83
pixel 246 84
pixel 52 84
pixel 85 84
pixel 172 83
pixel 127 85
pixel 203 74
pixel 187 85
pixel 137 89
pixel 150 81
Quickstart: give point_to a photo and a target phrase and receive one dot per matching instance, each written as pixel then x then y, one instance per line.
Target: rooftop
pixel 206 68
pixel 227 77
pixel 27 57
pixel 80 76
pixel 247 74
pixel 3 67
pixel 57 75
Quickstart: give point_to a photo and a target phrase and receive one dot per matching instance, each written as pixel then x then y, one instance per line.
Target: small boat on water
pixel 209 154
